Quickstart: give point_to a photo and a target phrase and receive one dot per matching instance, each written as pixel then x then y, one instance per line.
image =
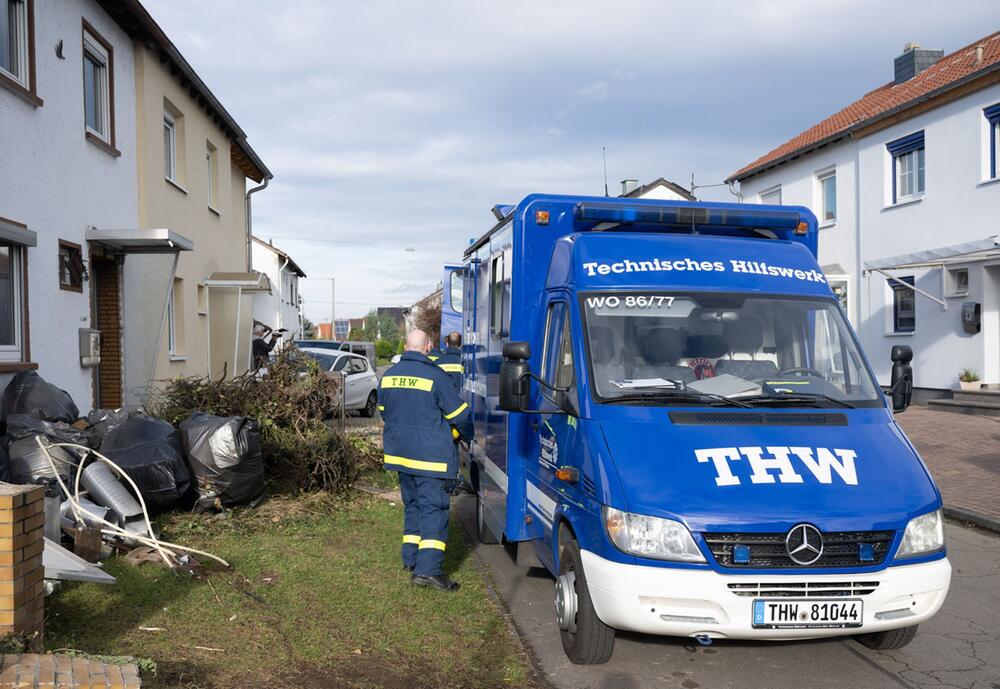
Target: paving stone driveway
pixel 963 453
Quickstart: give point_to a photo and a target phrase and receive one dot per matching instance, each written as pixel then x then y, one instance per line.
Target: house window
pixel 992 114
pixel 169 147
pixel 904 311
pixel 771 196
pixel 907 167
pixel 213 178
pixel 71 268
pixel 11 309
pixel 98 86
pixel 958 282
pixel 827 195
pixel 15 55
pixel 175 321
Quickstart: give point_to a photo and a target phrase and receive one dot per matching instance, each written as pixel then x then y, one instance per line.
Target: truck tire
pixel 888 640
pixel 592 641
pixel 371 405
pixel 486 536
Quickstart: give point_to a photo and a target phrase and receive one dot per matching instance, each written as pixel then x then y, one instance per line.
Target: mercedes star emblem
pixel 804 544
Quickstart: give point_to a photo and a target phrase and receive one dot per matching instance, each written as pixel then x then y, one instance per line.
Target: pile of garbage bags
pixel 211 462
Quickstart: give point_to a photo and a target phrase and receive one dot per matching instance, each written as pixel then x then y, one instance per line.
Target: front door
pixel 106 317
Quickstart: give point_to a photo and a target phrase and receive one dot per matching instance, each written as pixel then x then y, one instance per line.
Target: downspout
pixel 262 187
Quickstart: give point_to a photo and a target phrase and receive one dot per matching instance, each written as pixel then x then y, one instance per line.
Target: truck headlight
pixel 923 535
pixel 662 539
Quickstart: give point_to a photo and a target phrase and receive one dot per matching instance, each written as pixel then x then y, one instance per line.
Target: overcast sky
pixel 396 125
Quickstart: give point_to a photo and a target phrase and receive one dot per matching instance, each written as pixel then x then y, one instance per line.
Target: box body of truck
pixel 702 449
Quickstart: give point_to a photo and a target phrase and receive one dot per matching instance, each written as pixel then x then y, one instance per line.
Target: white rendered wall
pixel 277 309
pixel 58 183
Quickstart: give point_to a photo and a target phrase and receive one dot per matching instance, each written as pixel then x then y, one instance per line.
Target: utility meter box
pixel 90 347
pixel 971 317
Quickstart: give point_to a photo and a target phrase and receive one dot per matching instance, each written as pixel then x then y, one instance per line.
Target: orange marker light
pixel 541 217
pixel 801 228
pixel 567 474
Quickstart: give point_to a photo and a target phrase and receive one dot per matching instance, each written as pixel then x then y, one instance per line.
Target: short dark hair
pixel 453 339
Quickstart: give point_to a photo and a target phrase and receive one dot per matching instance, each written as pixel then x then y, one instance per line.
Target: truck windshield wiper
pixel 680 395
pixel 797 398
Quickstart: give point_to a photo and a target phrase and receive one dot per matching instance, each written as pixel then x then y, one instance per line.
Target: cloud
pixel 396 124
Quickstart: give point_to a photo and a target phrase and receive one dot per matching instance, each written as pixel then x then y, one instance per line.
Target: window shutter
pixel 906 144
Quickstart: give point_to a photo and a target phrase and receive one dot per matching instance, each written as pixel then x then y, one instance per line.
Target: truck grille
pixel 767 550
pixel 804 589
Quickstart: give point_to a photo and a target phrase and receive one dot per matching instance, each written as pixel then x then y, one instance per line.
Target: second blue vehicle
pixel 675 418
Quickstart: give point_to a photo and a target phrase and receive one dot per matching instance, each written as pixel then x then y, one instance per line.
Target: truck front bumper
pixel 688 602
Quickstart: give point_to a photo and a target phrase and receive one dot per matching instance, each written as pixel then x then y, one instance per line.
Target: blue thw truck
pixel 674 416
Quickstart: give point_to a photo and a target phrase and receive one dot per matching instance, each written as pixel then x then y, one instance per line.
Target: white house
pixel 659 188
pixel 906 184
pixel 67 174
pixel 281 308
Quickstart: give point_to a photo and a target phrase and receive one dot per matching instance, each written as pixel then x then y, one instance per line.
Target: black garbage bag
pixel 28 393
pixel 21 426
pixel 29 464
pixel 149 451
pixel 224 454
pixel 4 460
pixel 103 421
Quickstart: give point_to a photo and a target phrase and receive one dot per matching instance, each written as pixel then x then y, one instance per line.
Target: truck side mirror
pixel 515 380
pixel 901 383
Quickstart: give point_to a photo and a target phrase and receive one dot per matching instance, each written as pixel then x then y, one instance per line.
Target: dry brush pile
pixel 290 402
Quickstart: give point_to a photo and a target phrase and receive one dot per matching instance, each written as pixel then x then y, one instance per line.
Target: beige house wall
pixel 218 229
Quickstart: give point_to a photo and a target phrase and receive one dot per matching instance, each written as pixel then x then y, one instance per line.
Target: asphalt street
pixel 960 647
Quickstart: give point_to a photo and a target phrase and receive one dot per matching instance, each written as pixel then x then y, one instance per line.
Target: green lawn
pixel 335 608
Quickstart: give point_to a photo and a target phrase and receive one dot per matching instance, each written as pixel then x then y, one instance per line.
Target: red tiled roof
pixel 948 71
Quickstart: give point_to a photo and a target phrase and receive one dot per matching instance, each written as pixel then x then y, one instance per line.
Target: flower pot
pixel 970 385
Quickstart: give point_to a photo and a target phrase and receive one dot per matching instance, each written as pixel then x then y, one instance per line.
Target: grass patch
pixel 319 598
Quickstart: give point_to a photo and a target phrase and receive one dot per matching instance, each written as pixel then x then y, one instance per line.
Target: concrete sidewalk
pixel 963 454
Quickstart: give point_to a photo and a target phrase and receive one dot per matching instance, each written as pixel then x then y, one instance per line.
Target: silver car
pixel 360 381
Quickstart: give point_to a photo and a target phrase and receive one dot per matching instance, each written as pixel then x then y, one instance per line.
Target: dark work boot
pixel 441 582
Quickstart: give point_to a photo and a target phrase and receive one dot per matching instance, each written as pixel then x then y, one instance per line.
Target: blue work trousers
pixel 425 522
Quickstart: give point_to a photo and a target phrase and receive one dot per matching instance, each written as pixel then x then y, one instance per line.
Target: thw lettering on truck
pixel 777 465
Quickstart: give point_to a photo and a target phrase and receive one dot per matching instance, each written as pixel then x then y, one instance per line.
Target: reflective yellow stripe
pixel 408 382
pixel 451 368
pixel 411 538
pixel 458 411
pixel 433 358
pixel 428 543
pixel 381 408
pixel 418 464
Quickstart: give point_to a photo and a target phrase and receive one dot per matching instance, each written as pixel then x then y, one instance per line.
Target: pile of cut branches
pixel 290 402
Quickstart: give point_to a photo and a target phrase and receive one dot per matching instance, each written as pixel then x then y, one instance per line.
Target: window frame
pixel 822 177
pixel 76 286
pixel 211 163
pixel 499 292
pixel 898 289
pixel 171 323
pixel 24 85
pixel 992 115
pixel 100 49
pixel 17 351
pixel 900 150
pixel 169 153
pixel 770 191
pixel 954 290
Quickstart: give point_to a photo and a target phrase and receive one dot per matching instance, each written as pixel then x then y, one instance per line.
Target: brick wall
pixel 22 595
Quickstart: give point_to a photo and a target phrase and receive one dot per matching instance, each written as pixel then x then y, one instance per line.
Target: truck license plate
pixel 784 613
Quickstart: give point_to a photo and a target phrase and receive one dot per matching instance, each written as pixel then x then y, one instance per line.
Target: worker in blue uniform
pixel 450 360
pixel 423 414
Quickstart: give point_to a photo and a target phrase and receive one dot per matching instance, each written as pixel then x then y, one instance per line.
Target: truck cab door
pixel 554 436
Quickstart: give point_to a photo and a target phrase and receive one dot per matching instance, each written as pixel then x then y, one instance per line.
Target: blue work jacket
pixel 420 406
pixel 450 362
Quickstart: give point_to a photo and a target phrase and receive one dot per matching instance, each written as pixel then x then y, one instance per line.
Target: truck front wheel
pixel 586 640
pixel 888 640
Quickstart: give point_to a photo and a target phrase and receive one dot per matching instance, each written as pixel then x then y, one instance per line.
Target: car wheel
pixel 371 406
pixel 486 536
pixel 888 640
pixel 585 638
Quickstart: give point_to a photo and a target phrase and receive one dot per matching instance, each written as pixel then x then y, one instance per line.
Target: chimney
pixel 914 60
pixel 628 186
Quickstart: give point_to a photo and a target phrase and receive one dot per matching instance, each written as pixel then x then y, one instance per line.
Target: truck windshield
pixel 710 349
